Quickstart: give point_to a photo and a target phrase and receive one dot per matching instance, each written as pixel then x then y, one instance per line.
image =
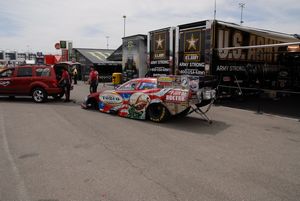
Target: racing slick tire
pixel 92 104
pixel 158 113
pixel 39 95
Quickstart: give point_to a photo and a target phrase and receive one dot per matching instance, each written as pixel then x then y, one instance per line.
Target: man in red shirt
pixel 65 82
pixel 93 80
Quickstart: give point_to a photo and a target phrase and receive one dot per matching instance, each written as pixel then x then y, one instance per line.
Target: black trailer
pixel 244 59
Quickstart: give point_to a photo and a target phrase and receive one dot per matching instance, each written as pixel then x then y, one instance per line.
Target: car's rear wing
pixel 201 87
pixel 193 83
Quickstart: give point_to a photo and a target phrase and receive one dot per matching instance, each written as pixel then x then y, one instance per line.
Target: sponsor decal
pixel 177 96
pixel 4 83
pixel 111 98
pixel 139 101
pixel 194 84
pixel 135 107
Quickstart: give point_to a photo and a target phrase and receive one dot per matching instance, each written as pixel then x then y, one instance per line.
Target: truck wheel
pixel 158 113
pixel 39 95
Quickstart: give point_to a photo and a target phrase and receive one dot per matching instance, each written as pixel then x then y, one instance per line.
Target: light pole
pixel 107 37
pixel 124 16
pixel 215 10
pixel 242 6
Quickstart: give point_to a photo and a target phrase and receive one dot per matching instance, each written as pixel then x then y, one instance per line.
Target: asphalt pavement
pixel 57 151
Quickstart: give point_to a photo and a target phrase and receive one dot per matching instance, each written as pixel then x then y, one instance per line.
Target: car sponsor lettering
pixel 177 96
pixel 111 99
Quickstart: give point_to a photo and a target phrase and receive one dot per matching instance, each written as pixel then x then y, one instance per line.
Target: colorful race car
pixel 153 98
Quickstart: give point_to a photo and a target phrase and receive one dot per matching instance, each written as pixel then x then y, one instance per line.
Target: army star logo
pixel 192 43
pixel 159 43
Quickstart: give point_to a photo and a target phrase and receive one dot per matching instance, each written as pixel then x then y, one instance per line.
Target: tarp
pixel 116 55
pixel 95 55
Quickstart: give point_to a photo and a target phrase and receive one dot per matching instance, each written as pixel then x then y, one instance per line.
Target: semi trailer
pixel 243 59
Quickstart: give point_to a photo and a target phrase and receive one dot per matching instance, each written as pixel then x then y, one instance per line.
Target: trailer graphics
pixel 134 57
pixel 160 50
pixel 247 59
pixel 191 52
pixel 242 58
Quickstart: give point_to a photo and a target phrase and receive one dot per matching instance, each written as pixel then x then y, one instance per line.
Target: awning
pixel 95 55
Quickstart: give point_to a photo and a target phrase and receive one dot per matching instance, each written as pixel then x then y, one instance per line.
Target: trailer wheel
pixel 158 113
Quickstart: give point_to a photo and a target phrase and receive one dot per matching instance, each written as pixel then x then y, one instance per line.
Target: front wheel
pixel 158 113
pixel 39 95
pixel 92 103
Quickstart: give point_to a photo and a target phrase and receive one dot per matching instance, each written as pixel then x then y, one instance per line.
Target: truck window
pixel 24 72
pixel 42 72
pixel 7 73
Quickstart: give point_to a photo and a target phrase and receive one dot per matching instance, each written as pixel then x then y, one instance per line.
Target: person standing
pixel 93 80
pixel 65 82
pixel 75 74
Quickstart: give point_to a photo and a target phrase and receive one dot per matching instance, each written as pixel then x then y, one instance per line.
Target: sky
pixel 36 25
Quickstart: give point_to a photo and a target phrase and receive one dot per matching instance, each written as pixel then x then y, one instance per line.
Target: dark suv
pixel 36 81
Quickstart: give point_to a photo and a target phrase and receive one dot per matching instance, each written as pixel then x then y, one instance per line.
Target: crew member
pixel 93 80
pixel 65 82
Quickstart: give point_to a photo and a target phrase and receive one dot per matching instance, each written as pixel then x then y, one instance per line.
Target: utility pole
pixel 242 6
pixel 215 10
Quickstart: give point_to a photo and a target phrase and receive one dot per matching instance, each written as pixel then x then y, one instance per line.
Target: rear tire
pixel 158 113
pixel 39 95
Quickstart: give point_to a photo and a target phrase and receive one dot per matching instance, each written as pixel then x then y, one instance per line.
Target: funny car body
pixel 152 98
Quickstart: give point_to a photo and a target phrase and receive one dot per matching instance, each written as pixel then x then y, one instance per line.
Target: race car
pixel 151 98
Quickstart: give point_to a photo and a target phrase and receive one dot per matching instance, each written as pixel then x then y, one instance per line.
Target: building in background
pixel 97 58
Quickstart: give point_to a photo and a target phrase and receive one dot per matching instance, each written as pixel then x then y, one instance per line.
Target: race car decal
pixel 4 83
pixel 134 105
pixel 111 98
pixel 177 96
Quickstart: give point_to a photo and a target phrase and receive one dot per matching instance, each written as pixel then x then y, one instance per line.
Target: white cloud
pixel 39 24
